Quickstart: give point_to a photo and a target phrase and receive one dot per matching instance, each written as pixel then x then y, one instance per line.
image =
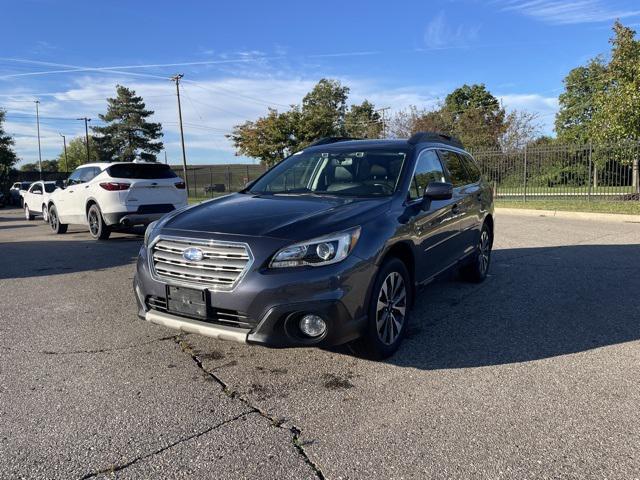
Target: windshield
pixel 351 173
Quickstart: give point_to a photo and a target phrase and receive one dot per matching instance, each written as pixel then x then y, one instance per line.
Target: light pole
pixel 86 134
pixel 64 141
pixel 37 102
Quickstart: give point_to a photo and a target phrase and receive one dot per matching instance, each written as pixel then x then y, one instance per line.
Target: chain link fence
pixel 207 181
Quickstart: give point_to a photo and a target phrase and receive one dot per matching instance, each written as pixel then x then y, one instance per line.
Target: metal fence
pixel 541 172
pixel 564 171
pixel 211 180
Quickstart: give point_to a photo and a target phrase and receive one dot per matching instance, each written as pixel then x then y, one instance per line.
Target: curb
pixel 607 217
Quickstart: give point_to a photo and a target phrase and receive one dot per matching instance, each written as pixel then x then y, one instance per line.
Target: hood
pixel 279 216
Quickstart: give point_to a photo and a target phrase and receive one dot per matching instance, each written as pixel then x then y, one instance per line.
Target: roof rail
pixel 423 137
pixel 328 140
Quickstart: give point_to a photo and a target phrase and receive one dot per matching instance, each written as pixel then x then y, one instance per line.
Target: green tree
pixel 47 166
pixel 77 154
pixel 270 138
pixel 617 103
pixel 577 102
pixel 323 113
pixel 362 121
pixel 476 116
pixel 8 157
pixel 324 109
pixel 127 133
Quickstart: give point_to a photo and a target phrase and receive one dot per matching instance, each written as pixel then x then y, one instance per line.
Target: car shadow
pixel 537 303
pixel 44 258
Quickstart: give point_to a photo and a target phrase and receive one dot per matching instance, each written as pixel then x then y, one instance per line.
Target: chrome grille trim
pixel 222 268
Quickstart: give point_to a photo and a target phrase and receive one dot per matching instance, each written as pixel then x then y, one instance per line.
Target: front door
pixel 435 229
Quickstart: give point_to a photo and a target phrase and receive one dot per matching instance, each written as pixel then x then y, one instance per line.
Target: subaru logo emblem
pixel 193 254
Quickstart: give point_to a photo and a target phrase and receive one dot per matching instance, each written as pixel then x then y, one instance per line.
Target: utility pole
pixel 384 123
pixel 64 142
pixel 86 135
pixel 165 158
pixel 176 79
pixel 37 102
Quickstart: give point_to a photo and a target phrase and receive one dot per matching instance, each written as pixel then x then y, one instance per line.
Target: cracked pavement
pixel 534 373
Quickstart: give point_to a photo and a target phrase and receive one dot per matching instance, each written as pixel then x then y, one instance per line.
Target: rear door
pixel 435 230
pixel 465 193
pixel 151 184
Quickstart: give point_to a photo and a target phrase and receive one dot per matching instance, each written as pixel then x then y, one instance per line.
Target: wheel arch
pixel 404 252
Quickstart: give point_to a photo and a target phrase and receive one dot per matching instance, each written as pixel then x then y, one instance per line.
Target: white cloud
pixel 544 107
pixel 569 12
pixel 440 34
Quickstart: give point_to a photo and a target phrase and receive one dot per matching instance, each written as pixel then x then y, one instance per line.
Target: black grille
pixel 220 316
pixel 159 208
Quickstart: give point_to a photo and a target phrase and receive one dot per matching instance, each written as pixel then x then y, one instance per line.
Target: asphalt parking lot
pixel 533 374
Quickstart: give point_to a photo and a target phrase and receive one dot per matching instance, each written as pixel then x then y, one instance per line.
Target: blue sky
pixel 241 57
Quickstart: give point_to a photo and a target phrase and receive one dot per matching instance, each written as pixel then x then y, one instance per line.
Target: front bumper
pixel 272 302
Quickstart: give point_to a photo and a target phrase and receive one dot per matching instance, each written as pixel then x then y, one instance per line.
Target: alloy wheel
pixel 93 223
pixel 484 254
pixel 391 308
pixel 26 212
pixel 53 220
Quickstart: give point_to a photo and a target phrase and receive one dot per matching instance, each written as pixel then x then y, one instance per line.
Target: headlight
pixel 319 251
pixel 148 233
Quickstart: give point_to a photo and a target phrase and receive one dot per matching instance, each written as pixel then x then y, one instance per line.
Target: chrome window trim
pixel 206 243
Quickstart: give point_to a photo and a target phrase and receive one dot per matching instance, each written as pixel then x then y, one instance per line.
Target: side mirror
pixel 436 191
pixel 65 183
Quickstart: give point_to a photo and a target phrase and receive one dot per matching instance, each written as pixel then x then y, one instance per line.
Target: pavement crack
pixel 295 432
pixel 122 466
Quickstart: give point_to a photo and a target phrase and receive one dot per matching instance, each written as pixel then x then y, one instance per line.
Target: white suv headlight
pixel 318 251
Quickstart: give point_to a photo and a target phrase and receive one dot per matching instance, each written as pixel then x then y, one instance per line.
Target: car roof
pixel 379 143
pixel 104 165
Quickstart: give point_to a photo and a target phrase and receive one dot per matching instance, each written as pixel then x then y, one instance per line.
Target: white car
pixel 36 199
pixel 108 196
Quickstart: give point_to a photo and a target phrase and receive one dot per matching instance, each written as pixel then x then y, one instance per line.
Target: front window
pixel 49 187
pixel 340 172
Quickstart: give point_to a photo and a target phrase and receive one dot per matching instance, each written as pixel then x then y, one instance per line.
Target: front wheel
pixel 388 313
pixel 478 268
pixel 45 214
pixel 97 228
pixel 54 221
pixel 27 214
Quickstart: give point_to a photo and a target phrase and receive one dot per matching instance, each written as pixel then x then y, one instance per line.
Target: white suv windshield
pixel 351 173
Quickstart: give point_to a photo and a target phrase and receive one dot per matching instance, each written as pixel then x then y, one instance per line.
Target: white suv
pixel 107 196
pixel 36 199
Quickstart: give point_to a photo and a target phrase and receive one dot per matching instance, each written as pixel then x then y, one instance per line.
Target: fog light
pixel 312 325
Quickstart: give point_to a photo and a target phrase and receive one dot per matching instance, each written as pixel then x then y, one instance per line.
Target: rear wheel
pixel 98 229
pixel 54 221
pixel 27 214
pixel 45 214
pixel 388 312
pixel 478 268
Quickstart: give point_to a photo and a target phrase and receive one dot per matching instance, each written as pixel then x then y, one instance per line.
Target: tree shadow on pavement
pixel 537 303
pixel 44 258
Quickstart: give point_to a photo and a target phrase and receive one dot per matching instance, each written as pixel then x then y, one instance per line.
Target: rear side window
pixel 472 168
pixel 458 175
pixel 146 171
pixel 49 187
pixel 428 169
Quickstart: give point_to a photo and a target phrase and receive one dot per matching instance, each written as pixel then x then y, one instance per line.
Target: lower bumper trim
pixel 189 325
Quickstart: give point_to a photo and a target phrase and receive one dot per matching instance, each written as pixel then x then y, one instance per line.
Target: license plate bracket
pixel 187 301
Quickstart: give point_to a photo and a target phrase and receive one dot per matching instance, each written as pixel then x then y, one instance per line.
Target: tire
pixel 27 214
pixel 387 320
pixel 478 267
pixel 97 228
pixel 45 214
pixel 54 221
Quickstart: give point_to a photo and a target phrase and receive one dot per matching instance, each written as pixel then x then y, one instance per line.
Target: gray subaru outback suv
pixel 327 247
